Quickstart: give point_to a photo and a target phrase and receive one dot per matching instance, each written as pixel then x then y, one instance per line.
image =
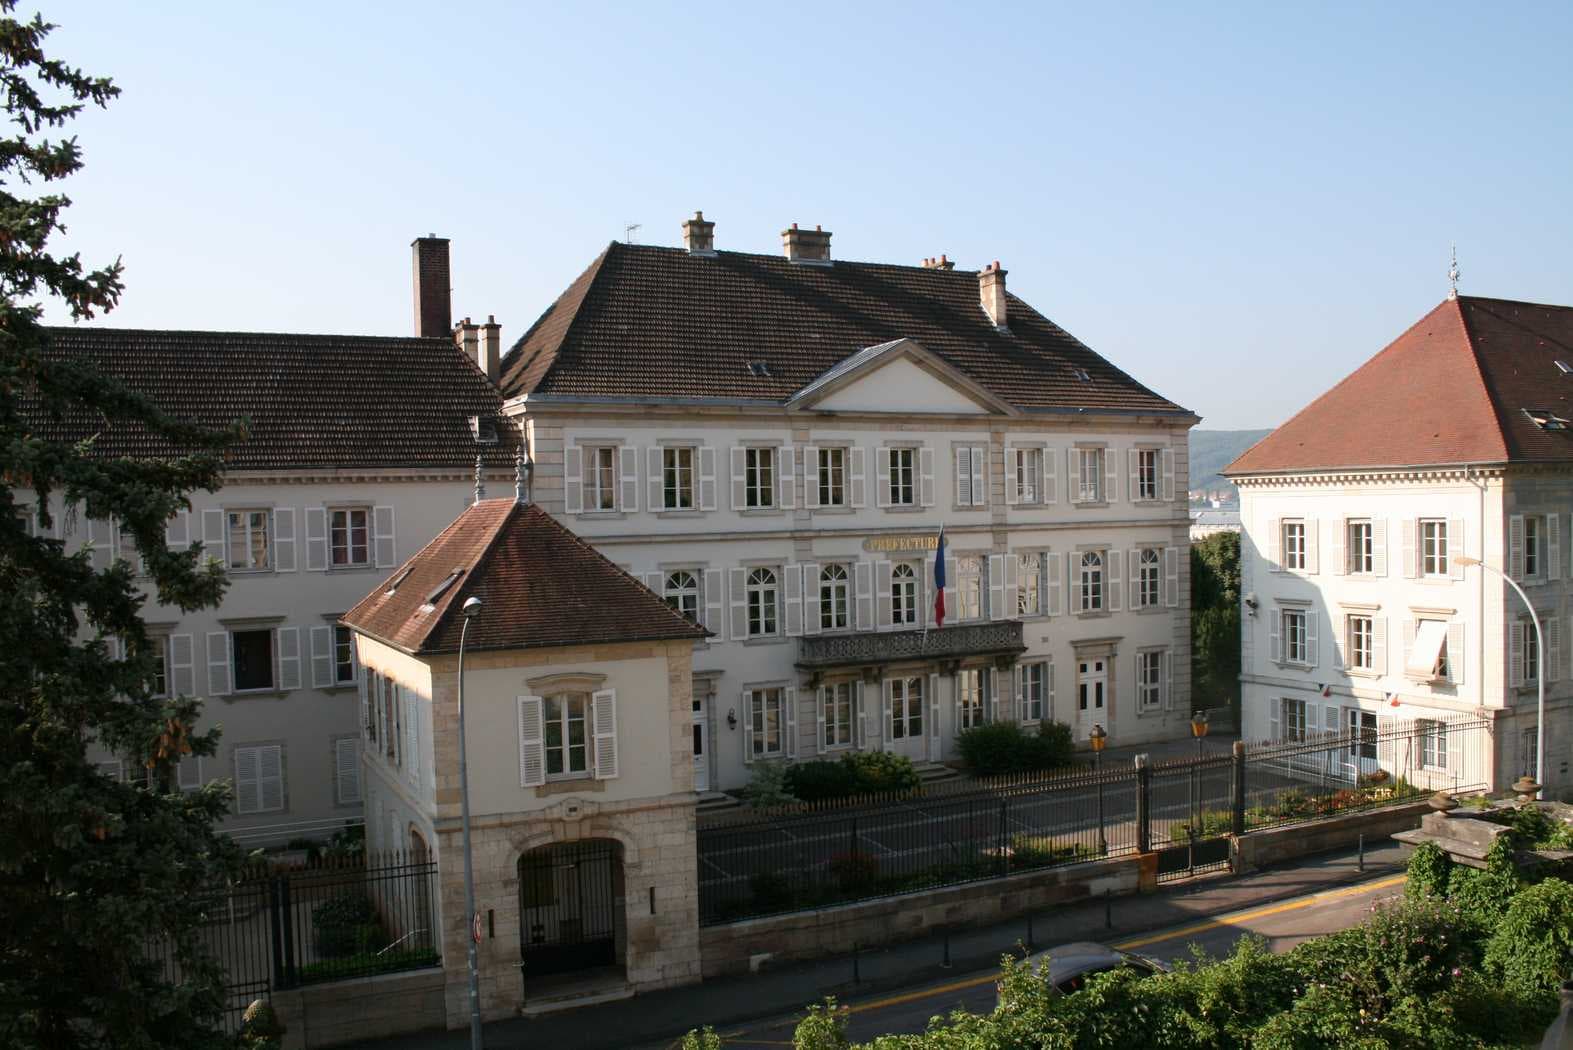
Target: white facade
pixel 780 528
pixel 1352 588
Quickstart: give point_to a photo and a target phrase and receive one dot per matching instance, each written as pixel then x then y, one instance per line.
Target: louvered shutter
pixel 628 476
pixel 383 540
pixel 811 476
pixel 100 542
pixel 346 770
pixel 655 581
pixel 1050 492
pixel 739 589
pixel 963 458
pixel 1051 591
pixel 934 734
pixel 656 496
pixel 603 722
pixel 926 476
pixel 1012 565
pixel 889 705
pixel 1339 559
pixel 270 776
pixel 218 664
pixel 821 743
pixel 1553 547
pixel 1012 474
pixel 213 536
pixel 786 477
pixel 248 790
pixel 980 489
pixel 573 480
pixel 1167 659
pixel 1048 701
pixel 863 577
pixel 715 602
pixel 1275 640
pixel 926 612
pixel 289 657
pixel 1411 566
pixel 1455 751
pixel 412 737
pixel 1115 580
pixel 1275 731
pixel 1111 482
pixel 284 539
pixel 739 463
pixel 857 458
pixel 1167 456
pixel 1171 577
pixel 1073 473
pixel 1553 653
pixel 882 595
pixel 1379 546
pixel 1515 653
pixel 996 586
pixel 177 533
pixel 188 773
pixel 316 539
pixel 792 586
pixel 1313 542
pixel 789 700
pixel 882 477
pixel 813 598
pixel 707 479
pixel 1313 651
pixel 1275 541
pixel 1379 644
pixel 952 610
pixel 532 742
pixel 182 670
pixel 1133 558
pixel 860 698
pixel 1515 546
pixel 321 657
pixel 1455 653
pixel 1133 475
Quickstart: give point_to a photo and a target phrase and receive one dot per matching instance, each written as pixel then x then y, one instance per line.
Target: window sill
pixel 258 694
pixel 1091 504
pixel 760 512
pixel 680 512
pixel 1093 614
pixel 613 514
pixel 904 508
pixel 1148 610
pixel 768 639
pixel 1153 709
pixel 969 508
pixel 769 756
pixel 1363 672
pixel 340 569
pixel 830 509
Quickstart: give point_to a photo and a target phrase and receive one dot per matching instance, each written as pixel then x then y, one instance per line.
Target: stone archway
pixel 571 907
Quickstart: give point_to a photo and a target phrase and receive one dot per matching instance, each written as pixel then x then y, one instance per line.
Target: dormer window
pixel 1081 373
pixel 1545 419
pixel 483 430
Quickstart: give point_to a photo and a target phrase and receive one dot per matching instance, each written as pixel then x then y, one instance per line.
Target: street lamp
pixel 471 609
pixel 1199 731
pixel 1540 662
pixel 1099 740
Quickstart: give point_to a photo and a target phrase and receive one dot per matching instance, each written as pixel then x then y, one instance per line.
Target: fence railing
pixel 859 849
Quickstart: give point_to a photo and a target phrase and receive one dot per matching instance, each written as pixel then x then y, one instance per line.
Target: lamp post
pixel 1099 740
pixel 1199 731
pixel 472 608
pixel 1540 662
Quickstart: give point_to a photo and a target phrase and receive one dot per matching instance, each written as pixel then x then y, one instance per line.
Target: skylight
pixel 759 368
pixel 1081 373
pixel 1545 419
pixel 393 584
pixel 442 588
pixel 1564 367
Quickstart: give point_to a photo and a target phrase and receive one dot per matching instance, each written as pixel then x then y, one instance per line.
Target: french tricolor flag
pixel 939 580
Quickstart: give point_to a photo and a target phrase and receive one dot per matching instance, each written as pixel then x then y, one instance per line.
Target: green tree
pixel 100 880
pixel 1215 622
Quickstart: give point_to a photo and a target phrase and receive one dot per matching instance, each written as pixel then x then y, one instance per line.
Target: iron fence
pixel 812 856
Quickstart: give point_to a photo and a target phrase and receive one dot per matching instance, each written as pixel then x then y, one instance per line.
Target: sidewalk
pixel 728 1001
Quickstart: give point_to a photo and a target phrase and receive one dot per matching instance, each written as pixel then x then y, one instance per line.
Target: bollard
pixel 946 963
pixel 1360 861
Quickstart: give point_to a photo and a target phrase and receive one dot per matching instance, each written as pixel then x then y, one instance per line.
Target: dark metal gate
pixel 568 907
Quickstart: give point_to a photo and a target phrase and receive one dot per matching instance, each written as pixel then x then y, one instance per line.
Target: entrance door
pixel 568 907
pixel 1092 683
pixel 701 748
pixel 905 718
pixel 1361 726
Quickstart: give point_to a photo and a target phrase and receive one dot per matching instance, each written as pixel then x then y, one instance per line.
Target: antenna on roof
pixel 1452 274
pixel 628 232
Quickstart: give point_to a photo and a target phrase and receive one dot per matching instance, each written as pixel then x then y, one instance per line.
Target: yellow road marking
pixel 1184 931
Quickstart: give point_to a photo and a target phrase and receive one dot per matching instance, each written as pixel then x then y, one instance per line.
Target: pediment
pixel 900 376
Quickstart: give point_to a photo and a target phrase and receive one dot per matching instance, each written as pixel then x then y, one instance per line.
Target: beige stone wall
pixel 367 1008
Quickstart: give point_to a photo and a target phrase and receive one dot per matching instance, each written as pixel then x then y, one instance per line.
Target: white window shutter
pixel 213 536
pixel 656 494
pixel 1515 653
pixel 248 795
pixel 888 706
pixel 738 460
pixel 1455 653
pixel 1379 644
pixel 926 476
pixel 811 598
pixel 412 736
pixel 1012 587
pixel 270 777
pixel 707 482
pixel 1313 651
pixel 820 741
pixel 883 601
pixel 532 742
pixel 573 480
pixel 1113 588
pixel 177 534
pixel 997 587
pixel 1133 474
pixel 789 699
pixel 934 736
pixel 188 773
pixel 101 542
pixel 218 664
pixel 863 577
pixel 1048 702
pixel 1073 473
pixel 811 476
pixel 952 608
pixel 1111 483
pixel 387 551
pixel 1275 640
pixel 980 491
pixel 1339 561
pixel 1379 546
pixel 603 724
pixel 628 476
pixel 860 699
pixel 346 770
pixel 857 457
pixel 1012 473
pixel 289 657
pixel 786 477
pixel 1515 546
pixel 1051 476
pixel 1455 547
pixel 963 457
pixel 1553 653
pixel 1553 567
pixel 1411 566
pixel 1340 639
pixel 1052 588
pixel 715 602
pixel 792 586
pixel 284 539
pixel 182 660
pixel 1133 558
pixel 655 581
pixel 1274 719
pixel 1168 475
pixel 1167 658
pixel 1275 542
pixel 316 539
pixel 1313 542
pixel 882 477
pixel 739 589
pixel 321 657
pixel 746 709
pixel 1171 577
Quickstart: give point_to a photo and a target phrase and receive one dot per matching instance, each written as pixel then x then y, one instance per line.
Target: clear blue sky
pixel 1236 205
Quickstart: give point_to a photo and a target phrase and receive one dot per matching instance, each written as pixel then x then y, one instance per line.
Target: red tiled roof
pixel 653 322
pixel 1453 389
pixel 541 586
pixel 312 400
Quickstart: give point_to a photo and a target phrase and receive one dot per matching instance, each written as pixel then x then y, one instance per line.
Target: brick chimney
pixel 991 289
pixel 942 263
pixel 433 308
pixel 699 235
pixel 467 337
pixel 490 359
pixel 806 246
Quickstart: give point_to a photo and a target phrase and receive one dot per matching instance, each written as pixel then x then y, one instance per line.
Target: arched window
pixel 1091 581
pixel 1149 578
pixel 762 603
pixel 833 598
pixel 682 593
pixel 904 595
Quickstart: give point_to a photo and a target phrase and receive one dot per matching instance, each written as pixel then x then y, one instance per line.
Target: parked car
pixel 1071 964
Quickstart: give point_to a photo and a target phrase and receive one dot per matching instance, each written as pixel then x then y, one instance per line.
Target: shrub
pixel 1214 822
pixel 365 964
pixel 824 1027
pixel 820 779
pixel 881 771
pixel 1005 747
pixel 772 893
pixel 1532 948
pixel 1485 895
pixel 1429 868
pixel 701 1039
pixel 855 773
pixel 1412 948
pixel 767 786
pixel 346 924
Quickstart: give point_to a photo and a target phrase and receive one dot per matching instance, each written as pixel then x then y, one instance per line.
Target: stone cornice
pixel 362 476
pixel 1379 476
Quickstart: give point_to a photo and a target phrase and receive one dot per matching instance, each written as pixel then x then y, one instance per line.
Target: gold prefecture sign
pixel 901 543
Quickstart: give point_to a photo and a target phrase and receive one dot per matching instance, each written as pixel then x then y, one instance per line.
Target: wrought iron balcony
pixel 994 638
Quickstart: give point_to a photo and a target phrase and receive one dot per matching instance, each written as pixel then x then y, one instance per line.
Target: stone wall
pixel 366 1008
pixel 1261 849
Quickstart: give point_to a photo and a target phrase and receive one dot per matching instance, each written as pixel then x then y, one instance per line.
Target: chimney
pixel 490 359
pixel 991 289
pixel 942 263
pixel 699 235
pixel 433 310
pixel 806 246
pixel 467 337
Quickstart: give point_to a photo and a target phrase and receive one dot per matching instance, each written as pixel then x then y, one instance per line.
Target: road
pixel 1284 924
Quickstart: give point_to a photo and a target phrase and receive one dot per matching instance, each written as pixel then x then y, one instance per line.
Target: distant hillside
pixel 1212 450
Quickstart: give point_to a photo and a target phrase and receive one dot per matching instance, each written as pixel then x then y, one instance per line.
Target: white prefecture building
pixel 1453 441
pixel 773 443
pixel 360 450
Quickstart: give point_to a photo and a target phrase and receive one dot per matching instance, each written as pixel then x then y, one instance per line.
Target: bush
pixel 819 780
pixel 855 773
pixel 365 964
pixel 823 1028
pixel 767 786
pixel 1214 822
pixel 880 771
pixel 1005 747
pixel 1532 948
pixel 1429 869
pixel 347 924
pixel 1485 895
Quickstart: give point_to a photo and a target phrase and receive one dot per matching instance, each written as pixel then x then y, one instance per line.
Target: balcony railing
pixel 995 638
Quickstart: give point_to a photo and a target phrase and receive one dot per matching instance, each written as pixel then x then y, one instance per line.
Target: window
pixel 1296 649
pixel 1090 489
pixel 1294 544
pixel 1029 474
pixel 906 708
pixel 1358 642
pixel 1149 577
pixel 1433 743
pixel 1149 679
pixel 259 779
pixel 677 478
pixel 1427 658
pixel 343 656
pixel 904 594
pixel 762 590
pixel 1293 719
pixel 249 548
pixel 971 687
pixel 681 592
pixel 1147 468
pixel 1029 593
pixel 832 477
pixel 969 588
pixel 838 715
pixel 349 534
pixel 567 753
pixel 1034 691
pixel 1532 559
pixel 759 477
pixel 1359 550
pixel 369 708
pixel 1091 581
pixel 600 478
pixel 1362 735
pixel 253 656
pixel 903 491
pixel 1433 547
pixel 764 723
pixel 1531 651
pixel 1529 752
pixel 160 681
pixel 833 597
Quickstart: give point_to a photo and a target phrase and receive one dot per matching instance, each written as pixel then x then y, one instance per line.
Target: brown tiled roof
pixel 312 400
pixel 1453 389
pixel 541 586
pixel 654 322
